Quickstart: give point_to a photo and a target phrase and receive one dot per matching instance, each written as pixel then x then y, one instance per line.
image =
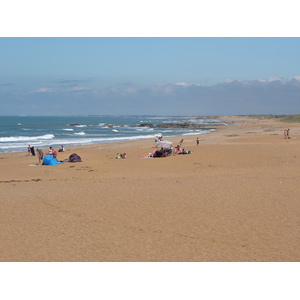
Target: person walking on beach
pixel 29 150
pixel 197 141
pixel 180 143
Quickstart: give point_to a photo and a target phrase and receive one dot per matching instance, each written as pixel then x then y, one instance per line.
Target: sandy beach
pixel 234 199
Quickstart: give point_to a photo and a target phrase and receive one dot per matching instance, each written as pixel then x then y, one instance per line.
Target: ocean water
pixel 17 132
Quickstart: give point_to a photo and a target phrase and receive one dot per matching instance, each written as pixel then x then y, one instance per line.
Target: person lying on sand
pixel 185 152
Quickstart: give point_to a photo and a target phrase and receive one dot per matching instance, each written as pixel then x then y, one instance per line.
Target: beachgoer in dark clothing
pixel 32 150
pixel 158 153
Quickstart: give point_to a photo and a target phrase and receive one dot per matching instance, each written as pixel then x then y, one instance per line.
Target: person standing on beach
pixel 197 141
pixel 29 150
pixel 40 155
pixel 32 150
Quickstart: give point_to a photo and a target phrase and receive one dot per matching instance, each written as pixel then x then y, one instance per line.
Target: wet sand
pixel 235 198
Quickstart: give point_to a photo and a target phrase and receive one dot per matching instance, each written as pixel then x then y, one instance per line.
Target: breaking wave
pixel 26 138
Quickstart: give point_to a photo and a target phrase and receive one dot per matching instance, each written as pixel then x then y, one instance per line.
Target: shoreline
pixel 94 132
pixel 235 198
pixel 226 119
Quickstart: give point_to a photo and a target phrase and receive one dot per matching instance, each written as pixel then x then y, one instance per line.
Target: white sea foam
pixel 69 129
pixel 115 130
pixel 85 141
pixel 26 138
pixel 129 138
pixel 143 129
pixel 80 126
pixel 80 133
pixel 198 132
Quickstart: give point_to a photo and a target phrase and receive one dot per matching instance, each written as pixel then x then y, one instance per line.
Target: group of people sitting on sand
pixel 163 152
pixel 53 152
pixel 121 155
pixel 167 151
pixel 40 152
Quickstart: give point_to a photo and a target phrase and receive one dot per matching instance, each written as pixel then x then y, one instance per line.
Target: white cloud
pixel 182 84
pixel 168 90
pixel 297 77
pixel 162 88
pixel 229 80
pixel 42 90
pixel 161 84
pixel 274 78
pixel 130 90
pixel 79 88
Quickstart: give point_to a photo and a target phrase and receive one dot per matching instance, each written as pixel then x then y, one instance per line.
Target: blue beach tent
pixel 49 160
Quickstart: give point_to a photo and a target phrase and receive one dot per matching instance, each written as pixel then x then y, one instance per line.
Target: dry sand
pixel 235 198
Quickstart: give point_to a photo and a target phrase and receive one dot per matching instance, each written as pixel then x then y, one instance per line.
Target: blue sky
pixel 141 75
pixel 147 61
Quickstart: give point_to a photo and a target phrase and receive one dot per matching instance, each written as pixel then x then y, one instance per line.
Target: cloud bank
pixel 271 96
